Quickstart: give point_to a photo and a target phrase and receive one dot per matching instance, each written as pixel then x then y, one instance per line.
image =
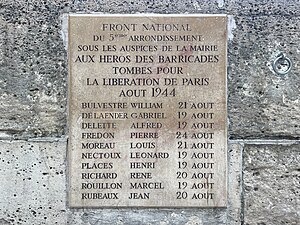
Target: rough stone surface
pixel 33 183
pixel 33 64
pixel 234 207
pixel 271 184
pixel 33 191
pixel 149 216
pixel 33 70
pixel 261 105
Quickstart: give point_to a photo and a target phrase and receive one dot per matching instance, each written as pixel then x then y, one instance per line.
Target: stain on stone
pixel 267 194
pixel 4 222
pixel 33 72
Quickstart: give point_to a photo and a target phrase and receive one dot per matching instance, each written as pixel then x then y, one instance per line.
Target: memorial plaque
pixel 147 111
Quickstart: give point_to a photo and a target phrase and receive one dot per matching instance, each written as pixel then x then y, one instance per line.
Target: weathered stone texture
pixel 261 103
pixel 148 216
pixel 33 188
pixel 33 102
pixel 33 64
pixel 271 184
pixel 33 70
pixel 33 191
pixel 234 207
pixel 264 7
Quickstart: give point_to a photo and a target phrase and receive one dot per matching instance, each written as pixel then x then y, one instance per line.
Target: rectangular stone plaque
pixel 147 110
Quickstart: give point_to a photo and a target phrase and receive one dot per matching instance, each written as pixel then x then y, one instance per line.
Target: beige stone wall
pixel 263 113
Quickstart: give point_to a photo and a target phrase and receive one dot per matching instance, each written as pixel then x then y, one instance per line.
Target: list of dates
pixel 147 111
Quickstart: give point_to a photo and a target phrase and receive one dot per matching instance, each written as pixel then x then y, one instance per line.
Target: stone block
pixel 33 70
pixel 33 179
pixel 261 103
pixel 264 7
pixel 234 206
pixel 271 184
pixel 148 216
